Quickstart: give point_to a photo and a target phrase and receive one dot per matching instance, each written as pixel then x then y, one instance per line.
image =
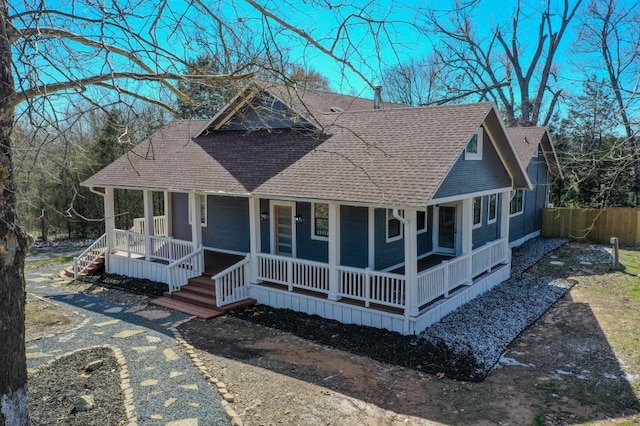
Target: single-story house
pixel 364 212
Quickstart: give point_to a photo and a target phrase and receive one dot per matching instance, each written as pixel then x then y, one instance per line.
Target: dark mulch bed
pixel 54 387
pixel 381 345
pixel 465 345
pixel 128 284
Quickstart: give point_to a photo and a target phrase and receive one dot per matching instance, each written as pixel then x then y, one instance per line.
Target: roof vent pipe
pixel 377 97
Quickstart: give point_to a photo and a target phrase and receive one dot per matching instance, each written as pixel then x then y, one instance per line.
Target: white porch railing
pixel 440 280
pixel 383 288
pixel 299 273
pixel 158 225
pixel 87 257
pixel 188 266
pixel 162 248
pixel 231 284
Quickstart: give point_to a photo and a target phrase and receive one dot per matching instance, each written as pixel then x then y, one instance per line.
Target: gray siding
pixel 354 234
pixel 227 224
pixel 530 220
pixel 475 175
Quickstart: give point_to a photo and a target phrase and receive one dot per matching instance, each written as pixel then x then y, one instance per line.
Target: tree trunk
pixel 14 409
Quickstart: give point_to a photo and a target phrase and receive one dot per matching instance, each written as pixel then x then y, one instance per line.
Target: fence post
pixel 616 252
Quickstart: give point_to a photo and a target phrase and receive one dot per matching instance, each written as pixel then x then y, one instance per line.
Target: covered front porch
pixel 403 295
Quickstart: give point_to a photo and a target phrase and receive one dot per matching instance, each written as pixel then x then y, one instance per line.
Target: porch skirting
pixel 359 315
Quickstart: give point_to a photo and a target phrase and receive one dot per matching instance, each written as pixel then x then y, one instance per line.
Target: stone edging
pixel 125 384
pixel 227 397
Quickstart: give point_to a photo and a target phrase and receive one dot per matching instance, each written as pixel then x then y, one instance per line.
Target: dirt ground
pixel 577 364
pixel 574 365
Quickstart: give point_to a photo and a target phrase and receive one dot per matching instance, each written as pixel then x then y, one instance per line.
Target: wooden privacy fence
pixel 593 225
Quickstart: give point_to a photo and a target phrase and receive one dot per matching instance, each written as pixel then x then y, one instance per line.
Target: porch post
pixel 504 214
pixel 196 220
pixel 467 234
pixel 372 238
pixel 254 238
pixel 334 250
pixel 147 200
pixel 168 216
pixel 411 262
pixel 109 223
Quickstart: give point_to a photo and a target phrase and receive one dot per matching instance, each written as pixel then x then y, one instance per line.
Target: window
pixel 394 228
pixel 473 151
pixel 517 202
pixel 320 221
pixel 421 221
pixel 492 214
pixel 203 210
pixel 477 212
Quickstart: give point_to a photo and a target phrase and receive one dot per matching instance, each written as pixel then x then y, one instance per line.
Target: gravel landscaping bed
pixel 54 388
pixel 465 345
pixel 128 284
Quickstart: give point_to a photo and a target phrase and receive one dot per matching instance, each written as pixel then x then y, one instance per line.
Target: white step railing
pixel 90 255
pixel 231 284
pixel 383 288
pixel 189 266
pixel 298 273
pixel 158 225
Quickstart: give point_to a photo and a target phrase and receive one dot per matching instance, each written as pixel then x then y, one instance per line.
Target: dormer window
pixel 473 151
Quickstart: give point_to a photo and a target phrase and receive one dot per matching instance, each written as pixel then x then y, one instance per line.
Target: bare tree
pixel 610 37
pixel 52 56
pixel 414 82
pixel 492 64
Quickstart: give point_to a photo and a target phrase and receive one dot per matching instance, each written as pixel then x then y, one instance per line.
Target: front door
pixel 447 229
pixel 283 230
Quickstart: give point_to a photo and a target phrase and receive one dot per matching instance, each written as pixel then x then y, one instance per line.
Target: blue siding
pixel 425 240
pixel 354 235
pixel 530 220
pixel 308 248
pixel 265 238
pixel 487 232
pixel 227 224
pixel 180 216
pixel 468 176
pixel 386 254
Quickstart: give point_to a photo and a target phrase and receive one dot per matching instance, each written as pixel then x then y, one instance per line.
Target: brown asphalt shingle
pixel 386 157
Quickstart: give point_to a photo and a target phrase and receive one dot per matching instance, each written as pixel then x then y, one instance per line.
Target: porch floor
pixel 215 262
pixel 427 262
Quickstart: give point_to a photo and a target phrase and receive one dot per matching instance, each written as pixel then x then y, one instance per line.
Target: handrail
pixel 102 240
pixel 231 268
pixel 185 258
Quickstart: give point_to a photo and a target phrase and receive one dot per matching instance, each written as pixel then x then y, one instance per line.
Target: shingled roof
pixel 526 141
pixel 387 157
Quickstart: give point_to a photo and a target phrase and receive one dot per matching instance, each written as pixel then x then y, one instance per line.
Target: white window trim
pixel 386 227
pixel 203 219
pixel 426 227
pixel 495 217
pixel 479 224
pixel 518 212
pixel 475 155
pixel 313 224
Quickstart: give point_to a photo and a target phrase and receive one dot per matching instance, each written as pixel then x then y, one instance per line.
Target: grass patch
pixel 45 263
pixel 630 262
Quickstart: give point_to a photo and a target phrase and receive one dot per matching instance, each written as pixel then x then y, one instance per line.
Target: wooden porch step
pixel 187 308
pixel 202 281
pixel 201 300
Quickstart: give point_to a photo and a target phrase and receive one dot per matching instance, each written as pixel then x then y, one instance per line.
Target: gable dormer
pixel 257 109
